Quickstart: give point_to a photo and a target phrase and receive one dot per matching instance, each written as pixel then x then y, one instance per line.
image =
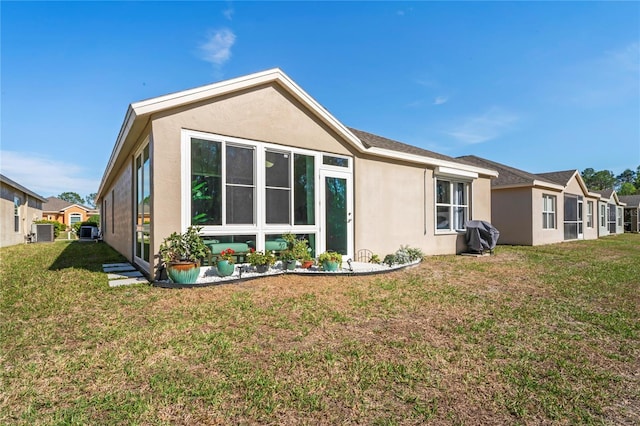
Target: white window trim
pixel 259 228
pixel 76 215
pixel 590 214
pixel 554 211
pixel 17 203
pixel 452 181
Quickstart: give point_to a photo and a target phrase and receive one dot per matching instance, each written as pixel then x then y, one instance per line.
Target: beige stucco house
pixel 610 213
pixel 545 208
pixel 251 158
pixel 631 212
pixel 65 212
pixel 19 208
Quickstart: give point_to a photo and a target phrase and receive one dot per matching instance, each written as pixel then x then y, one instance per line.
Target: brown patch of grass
pixel 520 337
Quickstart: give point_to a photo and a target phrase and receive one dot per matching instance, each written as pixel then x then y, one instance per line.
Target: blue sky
pixel 541 86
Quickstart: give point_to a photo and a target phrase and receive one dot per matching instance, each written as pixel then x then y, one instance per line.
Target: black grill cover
pixel 481 235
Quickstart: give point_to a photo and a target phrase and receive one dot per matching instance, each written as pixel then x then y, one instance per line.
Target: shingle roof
pixel 507 175
pixel 16 185
pixel 55 204
pixel 631 200
pixel 561 178
pixel 606 193
pixel 371 140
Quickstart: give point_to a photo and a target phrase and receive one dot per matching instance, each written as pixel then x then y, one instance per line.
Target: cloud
pixel 487 126
pixel 439 100
pixel 625 59
pixel 217 49
pixel 45 176
pixel 228 13
pixel 610 79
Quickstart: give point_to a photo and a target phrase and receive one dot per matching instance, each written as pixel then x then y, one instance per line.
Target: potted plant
pixel 289 255
pixel 261 260
pixel 225 261
pixel 330 260
pixel 181 253
pixel 302 252
pixel 288 258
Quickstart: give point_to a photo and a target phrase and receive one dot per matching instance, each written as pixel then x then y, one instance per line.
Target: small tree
pixel 71 197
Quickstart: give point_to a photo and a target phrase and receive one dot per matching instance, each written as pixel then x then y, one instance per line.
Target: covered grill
pixel 481 236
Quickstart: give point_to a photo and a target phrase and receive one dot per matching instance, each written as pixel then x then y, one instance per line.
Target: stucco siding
pixel 541 235
pixel 28 214
pixel 573 187
pixel 511 215
pixel 591 233
pixel 267 114
pixel 119 214
pixel 394 206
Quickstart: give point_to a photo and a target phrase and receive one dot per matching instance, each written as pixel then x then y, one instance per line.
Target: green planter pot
pixel 290 265
pixel 225 268
pixel 183 272
pixel 330 266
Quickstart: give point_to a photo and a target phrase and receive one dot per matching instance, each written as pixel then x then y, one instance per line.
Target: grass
pixel 532 335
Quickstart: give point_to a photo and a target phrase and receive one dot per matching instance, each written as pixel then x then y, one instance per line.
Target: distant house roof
pixel 605 193
pixel 631 200
pixel 54 204
pixel 561 178
pixel 21 188
pixel 510 176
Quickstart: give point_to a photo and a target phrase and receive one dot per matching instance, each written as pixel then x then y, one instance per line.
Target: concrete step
pixel 128 281
pixel 124 274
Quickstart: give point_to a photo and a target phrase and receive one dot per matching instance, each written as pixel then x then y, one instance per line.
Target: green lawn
pixel 529 336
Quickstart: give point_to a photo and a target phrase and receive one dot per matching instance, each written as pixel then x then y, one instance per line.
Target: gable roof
pixel 510 177
pixel 561 178
pixel 610 194
pixel 54 204
pixel 21 188
pixel 564 177
pixel 139 113
pixel 631 200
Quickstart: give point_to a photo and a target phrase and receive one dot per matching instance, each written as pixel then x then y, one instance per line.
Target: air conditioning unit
pixel 43 232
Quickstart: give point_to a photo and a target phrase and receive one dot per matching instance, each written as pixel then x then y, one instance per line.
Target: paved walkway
pixel 120 274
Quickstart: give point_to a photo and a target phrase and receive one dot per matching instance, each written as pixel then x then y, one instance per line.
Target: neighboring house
pixel 65 212
pixel 610 213
pixel 254 157
pixel 533 209
pixel 19 208
pixel 631 212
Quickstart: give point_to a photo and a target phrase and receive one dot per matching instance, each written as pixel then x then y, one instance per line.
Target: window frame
pixel 589 214
pixel 17 202
pixel 452 205
pixel 546 214
pixel 260 227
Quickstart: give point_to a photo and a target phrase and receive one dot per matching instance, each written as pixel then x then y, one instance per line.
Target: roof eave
pixel 435 162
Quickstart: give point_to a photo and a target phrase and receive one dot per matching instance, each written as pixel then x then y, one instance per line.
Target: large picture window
pixel 240 187
pixel 452 205
pixel 548 211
